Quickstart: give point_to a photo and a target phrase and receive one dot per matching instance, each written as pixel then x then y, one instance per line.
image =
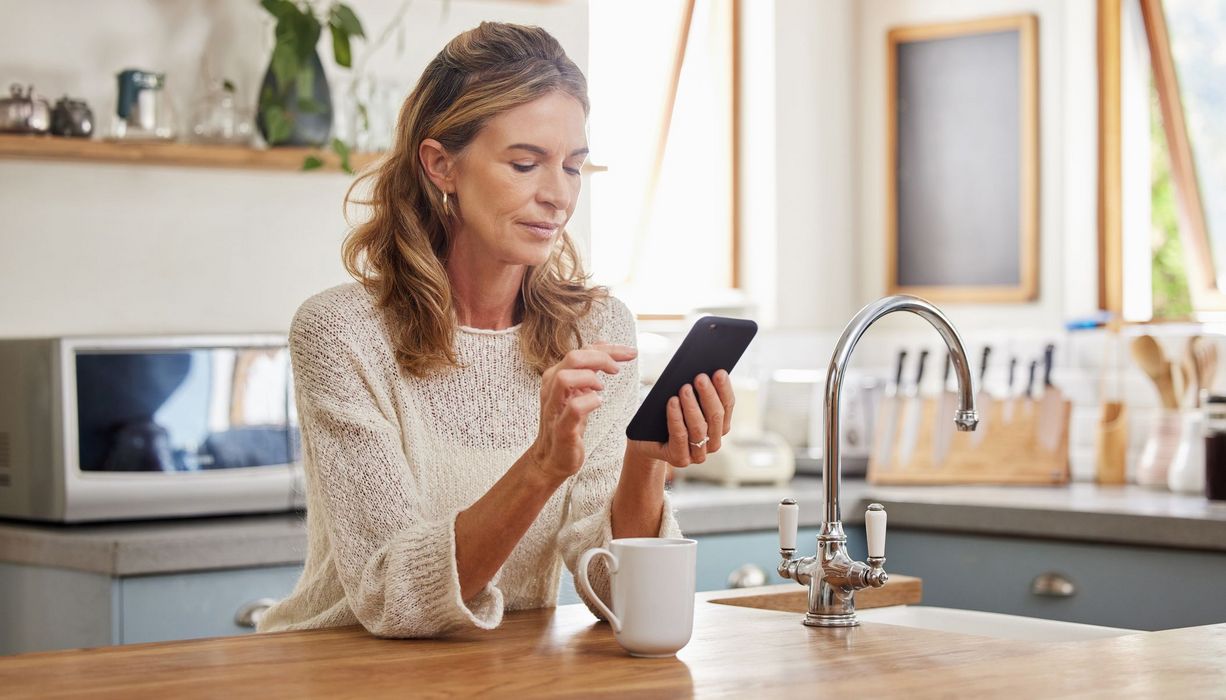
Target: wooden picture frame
pixel 1020 280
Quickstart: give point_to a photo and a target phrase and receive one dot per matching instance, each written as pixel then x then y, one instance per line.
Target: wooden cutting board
pixel 792 597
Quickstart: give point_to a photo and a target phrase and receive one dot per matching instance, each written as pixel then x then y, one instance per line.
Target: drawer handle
pixel 250 613
pixel 1053 585
pixel 747 576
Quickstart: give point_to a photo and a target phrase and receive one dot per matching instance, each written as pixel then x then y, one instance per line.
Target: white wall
pixel 798 131
pixel 87 248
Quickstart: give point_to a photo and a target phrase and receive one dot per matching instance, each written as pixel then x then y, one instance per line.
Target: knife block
pixel 1026 443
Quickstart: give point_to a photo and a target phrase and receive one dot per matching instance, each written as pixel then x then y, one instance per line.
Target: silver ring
pixel 700 443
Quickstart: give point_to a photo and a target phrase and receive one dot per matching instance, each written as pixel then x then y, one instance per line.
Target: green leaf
pixel 309 106
pixel 340 47
pixel 279 124
pixel 228 86
pixel 308 30
pixel 343 18
pixel 364 116
pixel 312 163
pixel 342 150
pixel 278 8
pixel 305 83
pixel 268 98
pixel 284 65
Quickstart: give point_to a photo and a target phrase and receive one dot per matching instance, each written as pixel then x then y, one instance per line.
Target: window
pixel 662 86
pixel 1162 158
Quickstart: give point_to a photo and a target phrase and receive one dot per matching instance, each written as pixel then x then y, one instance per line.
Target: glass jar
pixel 220 118
pixel 1215 448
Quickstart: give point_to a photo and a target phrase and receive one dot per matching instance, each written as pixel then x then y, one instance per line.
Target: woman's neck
pixel 484 291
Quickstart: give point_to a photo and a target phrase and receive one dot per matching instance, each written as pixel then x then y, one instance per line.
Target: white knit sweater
pixel 391 459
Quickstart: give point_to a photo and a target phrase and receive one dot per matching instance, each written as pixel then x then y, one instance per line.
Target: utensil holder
pixel 1111 454
pixel 1012 448
pixel 1161 443
pixel 1187 470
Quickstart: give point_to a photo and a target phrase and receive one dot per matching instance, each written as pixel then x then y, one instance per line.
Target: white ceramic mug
pixel 653 592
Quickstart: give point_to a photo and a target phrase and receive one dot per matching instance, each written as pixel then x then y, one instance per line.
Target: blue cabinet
pixel 1142 588
pixel 44 608
pixel 202 604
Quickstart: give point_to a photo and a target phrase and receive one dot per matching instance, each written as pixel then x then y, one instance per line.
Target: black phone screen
pixel 714 343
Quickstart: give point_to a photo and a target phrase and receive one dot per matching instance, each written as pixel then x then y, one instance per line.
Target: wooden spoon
pixel 1180 379
pixel 1196 366
pixel 1209 373
pixel 1149 356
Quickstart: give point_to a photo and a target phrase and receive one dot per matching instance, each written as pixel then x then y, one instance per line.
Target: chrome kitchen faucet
pixel 832 576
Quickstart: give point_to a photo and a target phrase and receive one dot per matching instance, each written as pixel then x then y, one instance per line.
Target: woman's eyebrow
pixel 541 151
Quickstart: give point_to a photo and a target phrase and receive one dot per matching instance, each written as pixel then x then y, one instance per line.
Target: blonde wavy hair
pixel 399 253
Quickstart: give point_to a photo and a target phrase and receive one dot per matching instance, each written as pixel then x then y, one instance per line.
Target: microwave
pixel 124 428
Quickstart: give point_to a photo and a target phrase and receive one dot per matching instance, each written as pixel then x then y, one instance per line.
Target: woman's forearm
pixel 487 531
pixel 638 503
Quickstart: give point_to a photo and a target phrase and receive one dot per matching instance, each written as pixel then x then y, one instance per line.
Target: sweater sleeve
pixel 396 566
pixel 588 519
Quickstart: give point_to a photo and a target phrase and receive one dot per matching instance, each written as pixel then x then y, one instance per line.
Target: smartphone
pixel 714 343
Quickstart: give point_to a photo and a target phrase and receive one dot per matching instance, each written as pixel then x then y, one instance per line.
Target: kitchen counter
pixel 734 652
pixel 1083 512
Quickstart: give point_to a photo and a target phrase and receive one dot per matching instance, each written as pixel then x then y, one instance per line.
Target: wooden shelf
pixel 173 154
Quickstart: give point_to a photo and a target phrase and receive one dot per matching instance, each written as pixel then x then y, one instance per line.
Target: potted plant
pixel 295 104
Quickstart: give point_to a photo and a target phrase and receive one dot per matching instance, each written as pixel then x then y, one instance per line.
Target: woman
pixel 463 408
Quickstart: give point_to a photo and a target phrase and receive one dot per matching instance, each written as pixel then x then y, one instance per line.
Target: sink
pixel 988 624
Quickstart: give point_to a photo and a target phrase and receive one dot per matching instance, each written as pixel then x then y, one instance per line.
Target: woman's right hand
pixel 570 391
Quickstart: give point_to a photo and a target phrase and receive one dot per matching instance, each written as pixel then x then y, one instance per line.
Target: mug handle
pixel 586 586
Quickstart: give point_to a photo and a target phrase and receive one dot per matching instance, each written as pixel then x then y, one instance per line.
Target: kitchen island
pixel 735 652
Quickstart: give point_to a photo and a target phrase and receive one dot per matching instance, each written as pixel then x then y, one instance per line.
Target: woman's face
pixel 517 182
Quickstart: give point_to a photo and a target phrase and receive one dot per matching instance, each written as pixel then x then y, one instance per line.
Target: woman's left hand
pixel 698 420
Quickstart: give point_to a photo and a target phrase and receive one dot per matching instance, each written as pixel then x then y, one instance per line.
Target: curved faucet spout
pixel 965 417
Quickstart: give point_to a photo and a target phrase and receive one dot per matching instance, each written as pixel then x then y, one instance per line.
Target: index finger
pixel 590 357
pixel 620 353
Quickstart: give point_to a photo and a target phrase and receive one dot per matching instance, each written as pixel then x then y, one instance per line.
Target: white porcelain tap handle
pixel 874 527
pixel 789 519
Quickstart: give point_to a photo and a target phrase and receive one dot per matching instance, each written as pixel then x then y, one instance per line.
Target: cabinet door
pixel 1117 586
pixel 202 604
pixel 43 608
pixel 721 554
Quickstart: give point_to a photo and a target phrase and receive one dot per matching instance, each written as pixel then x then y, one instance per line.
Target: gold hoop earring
pixel 444 201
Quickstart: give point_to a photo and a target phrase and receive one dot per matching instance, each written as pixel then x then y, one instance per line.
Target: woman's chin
pixel 535 254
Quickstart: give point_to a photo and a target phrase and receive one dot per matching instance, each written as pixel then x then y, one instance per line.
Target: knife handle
pixel 1012 373
pixel 1049 353
pixel 1034 366
pixel 983 363
pixel 919 372
pixel 902 359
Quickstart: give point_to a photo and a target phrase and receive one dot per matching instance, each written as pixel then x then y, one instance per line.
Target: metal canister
pixel 23 113
pixel 72 118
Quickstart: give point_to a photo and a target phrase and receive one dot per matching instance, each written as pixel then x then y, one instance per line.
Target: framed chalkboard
pixel 962 145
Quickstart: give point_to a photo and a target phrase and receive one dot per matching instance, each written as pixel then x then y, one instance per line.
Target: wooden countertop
pixel 735 652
